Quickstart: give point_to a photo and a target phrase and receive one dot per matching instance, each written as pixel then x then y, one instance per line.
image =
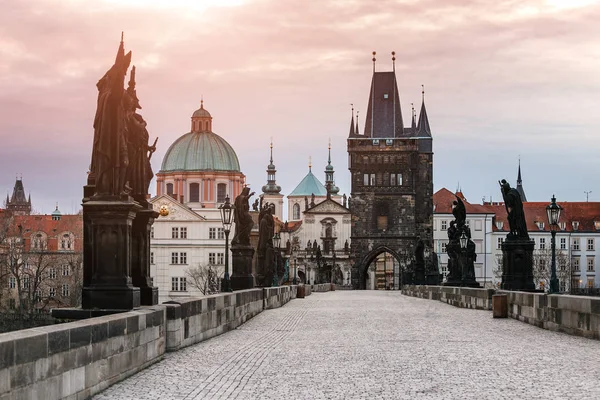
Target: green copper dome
pixel 200 151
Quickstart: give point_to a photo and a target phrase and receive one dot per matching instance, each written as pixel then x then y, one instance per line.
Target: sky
pixel 504 80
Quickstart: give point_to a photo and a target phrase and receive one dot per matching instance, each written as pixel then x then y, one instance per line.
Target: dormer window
pixel 500 225
pixel 562 225
pixel 597 225
pixel 540 225
pixel 575 225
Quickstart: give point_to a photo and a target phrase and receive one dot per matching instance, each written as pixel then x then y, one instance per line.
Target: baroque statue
pixel 514 209
pixel 266 231
pixel 242 218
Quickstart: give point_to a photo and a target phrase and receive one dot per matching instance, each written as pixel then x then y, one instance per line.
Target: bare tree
pixel 542 268
pixel 205 278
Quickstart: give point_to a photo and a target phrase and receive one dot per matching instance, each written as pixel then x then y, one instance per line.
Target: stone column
pixel 241 267
pixel 107 254
pixel 140 257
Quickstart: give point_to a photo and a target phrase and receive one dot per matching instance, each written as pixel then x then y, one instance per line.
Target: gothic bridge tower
pixel 392 179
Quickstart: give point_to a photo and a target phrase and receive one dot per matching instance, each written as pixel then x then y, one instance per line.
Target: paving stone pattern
pixel 374 345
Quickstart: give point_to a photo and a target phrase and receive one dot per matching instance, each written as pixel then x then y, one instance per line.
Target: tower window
pixel 169 188
pixel 385 95
pixel 296 211
pixel 206 126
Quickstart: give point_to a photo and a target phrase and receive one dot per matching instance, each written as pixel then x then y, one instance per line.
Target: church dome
pixel 200 151
pixel 201 113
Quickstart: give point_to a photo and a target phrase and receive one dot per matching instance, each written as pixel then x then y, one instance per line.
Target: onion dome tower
pixel 272 191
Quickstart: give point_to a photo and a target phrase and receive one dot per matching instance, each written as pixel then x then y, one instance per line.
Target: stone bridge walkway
pixel 374 345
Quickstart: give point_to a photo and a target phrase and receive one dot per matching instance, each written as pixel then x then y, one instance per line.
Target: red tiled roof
pixel 585 213
pixel 31 224
pixel 294 225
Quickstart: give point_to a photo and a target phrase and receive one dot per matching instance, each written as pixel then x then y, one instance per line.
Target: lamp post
pixel 295 281
pixel 226 210
pixel 553 210
pixel 276 243
pixel 464 242
pixel 332 268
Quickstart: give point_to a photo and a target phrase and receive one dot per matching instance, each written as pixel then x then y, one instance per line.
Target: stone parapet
pixel 78 359
pixel 321 287
pixel 277 296
pixel 575 315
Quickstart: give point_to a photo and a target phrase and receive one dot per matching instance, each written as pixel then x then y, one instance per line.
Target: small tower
pixel 520 185
pixel 329 180
pixel 201 120
pixel 56 214
pixel 18 203
pixel 272 191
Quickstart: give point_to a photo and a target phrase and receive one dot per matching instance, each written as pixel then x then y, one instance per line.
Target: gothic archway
pixel 360 268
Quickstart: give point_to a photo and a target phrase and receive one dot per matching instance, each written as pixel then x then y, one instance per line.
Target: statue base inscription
pixel 241 276
pixel 517 265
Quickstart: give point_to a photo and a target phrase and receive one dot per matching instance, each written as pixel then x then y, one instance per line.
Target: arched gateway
pixel 391 168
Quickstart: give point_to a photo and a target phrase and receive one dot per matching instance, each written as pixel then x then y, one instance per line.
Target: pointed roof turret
pixel 309 185
pixel 520 184
pixel 352 132
pixel 423 128
pixel 329 171
pixel 413 125
pixel 18 203
pixel 357 131
pixel 271 187
pixel 384 115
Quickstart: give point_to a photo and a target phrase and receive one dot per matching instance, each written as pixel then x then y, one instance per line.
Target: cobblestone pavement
pixel 374 345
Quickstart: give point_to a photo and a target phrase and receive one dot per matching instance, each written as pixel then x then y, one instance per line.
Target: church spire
pixel 352 132
pixel 271 187
pixel 423 128
pixel 329 171
pixel 356 130
pixel 18 203
pixel 520 184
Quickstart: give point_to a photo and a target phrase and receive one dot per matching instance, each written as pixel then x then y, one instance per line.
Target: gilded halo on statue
pixel 163 211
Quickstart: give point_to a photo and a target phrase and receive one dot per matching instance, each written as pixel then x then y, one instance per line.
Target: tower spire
pixel 309 163
pixel 356 130
pixel 423 127
pixel 329 171
pixel 271 187
pixel 394 61
pixel 352 132
pixel 413 125
pixel 520 184
pixel 374 59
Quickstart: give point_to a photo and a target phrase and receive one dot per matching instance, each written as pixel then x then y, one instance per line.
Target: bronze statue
pixel 255 205
pixel 109 153
pixel 242 218
pixel 139 172
pixel 514 209
pixel 459 211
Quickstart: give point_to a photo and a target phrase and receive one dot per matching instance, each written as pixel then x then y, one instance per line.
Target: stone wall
pixel 321 287
pixel 575 315
pixel 75 360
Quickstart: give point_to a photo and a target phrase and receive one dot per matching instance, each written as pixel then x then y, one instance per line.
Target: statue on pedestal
pixel 514 209
pixel 242 218
pixel 266 231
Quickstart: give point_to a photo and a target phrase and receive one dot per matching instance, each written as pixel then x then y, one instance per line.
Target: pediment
pixel 177 211
pixel 328 206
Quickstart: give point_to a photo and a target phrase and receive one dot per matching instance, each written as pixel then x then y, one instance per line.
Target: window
pixel 52 292
pixel 375 142
pixel 444 225
pixel 590 244
pixel 183 232
pixel 220 233
pixel 542 243
pixel 590 264
pixel 178 284
pixel 590 283
pixel 500 225
pixel 12 304
pixel 399 179
pixel 575 244
pixel 194 192
pixel 52 273
pixel 220 258
pixel 25 282
pixel 296 211
pixel 66 242
pixel 563 286
pixel 212 258
pixel 576 264
pixel 182 258
pixel 12 282
pixel 389 142
pixel 152 233
pixel 597 225
pixel 392 179
pixel 444 247
pixel 372 181
pixel 562 225
pixel 562 264
pixel 38 295
pixel 174 258
pixel 542 264
pixel 500 241
pixel 174 233
pixel 563 243
pixel 575 225
pixel 169 188
pixel 221 192
pixel 151 257
pixel 65 290
pixel 540 225
pixel 66 271
pixel 212 233
pixel 366 180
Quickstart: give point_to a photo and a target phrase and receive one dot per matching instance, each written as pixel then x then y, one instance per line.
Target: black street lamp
pixel 464 242
pixel 295 281
pixel 553 210
pixel 276 243
pixel 332 268
pixel 226 210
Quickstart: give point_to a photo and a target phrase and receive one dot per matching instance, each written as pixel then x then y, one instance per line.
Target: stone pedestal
pixel 419 277
pixel 107 253
pixel 140 255
pixel 517 265
pixel 241 267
